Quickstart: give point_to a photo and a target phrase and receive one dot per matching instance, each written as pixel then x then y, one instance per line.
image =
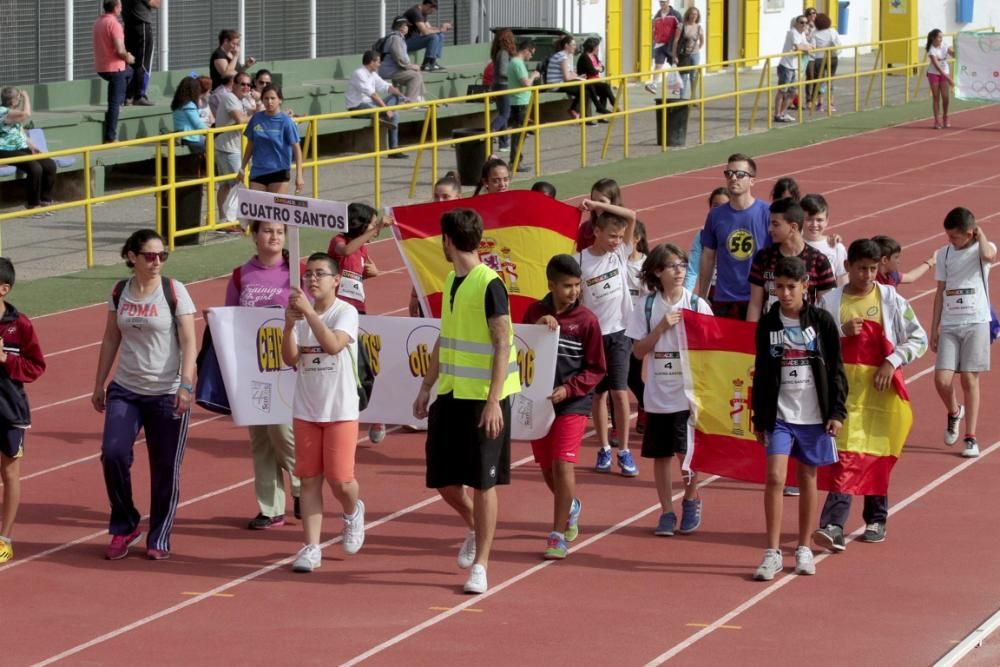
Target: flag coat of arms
pixel 718 358
pixel 522 230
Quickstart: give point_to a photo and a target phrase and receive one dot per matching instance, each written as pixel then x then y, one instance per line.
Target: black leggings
pixel 40 177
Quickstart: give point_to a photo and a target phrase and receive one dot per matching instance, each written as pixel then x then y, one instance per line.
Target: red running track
pixel 623 596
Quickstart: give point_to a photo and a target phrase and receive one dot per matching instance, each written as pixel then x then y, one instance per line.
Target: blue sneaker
pixel 572 529
pixel 690 516
pixel 603 460
pixel 665 526
pixel 627 464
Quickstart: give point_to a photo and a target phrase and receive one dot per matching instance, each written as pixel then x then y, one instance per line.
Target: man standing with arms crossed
pixel 474 363
pixel 138 17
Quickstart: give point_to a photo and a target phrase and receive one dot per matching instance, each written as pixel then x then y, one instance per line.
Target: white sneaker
pixel 467 554
pixel 354 530
pixel 476 582
pixel 804 561
pixel 308 559
pixel 971 450
pixel 951 428
pixel 789 118
pixel 770 566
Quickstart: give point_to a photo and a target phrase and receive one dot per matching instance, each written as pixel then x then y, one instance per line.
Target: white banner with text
pixel 261 388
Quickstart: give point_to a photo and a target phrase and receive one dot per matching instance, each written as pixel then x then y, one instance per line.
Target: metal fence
pixel 34 50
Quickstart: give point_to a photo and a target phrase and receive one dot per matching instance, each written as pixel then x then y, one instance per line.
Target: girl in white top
pixel 637 290
pixel 320 341
pixel 653 328
pixel 939 76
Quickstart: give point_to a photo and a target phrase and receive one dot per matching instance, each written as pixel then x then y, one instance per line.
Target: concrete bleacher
pixel 72 113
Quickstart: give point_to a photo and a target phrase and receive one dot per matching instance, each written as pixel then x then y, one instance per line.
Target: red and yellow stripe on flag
pixel 878 422
pixel 522 230
pixel 718 376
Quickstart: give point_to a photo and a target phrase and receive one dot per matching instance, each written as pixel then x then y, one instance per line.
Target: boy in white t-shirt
pixel 653 329
pixel 320 341
pixel 604 266
pixel 960 334
pixel 814 233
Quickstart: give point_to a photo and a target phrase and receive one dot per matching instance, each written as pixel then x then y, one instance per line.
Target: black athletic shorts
pixel 458 451
pixel 274 177
pixel 665 434
pixel 617 355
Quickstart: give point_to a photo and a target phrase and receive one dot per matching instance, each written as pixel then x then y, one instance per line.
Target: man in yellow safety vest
pixel 474 363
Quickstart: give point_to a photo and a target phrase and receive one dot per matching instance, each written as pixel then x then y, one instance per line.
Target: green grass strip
pixel 47 295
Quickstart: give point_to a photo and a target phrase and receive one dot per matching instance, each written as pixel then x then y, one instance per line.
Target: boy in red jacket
pixel 579 368
pixel 21 361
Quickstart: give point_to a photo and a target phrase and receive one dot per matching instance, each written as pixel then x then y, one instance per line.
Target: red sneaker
pixel 118 548
pixel 157 554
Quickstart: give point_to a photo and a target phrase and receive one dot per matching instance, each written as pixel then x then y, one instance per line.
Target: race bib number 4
pixel 960 301
pixel 741 245
pixel 606 285
pixel 666 364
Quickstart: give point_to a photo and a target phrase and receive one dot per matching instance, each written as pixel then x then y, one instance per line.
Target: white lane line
pixel 789 578
pixel 100 533
pixel 973 641
pixel 434 620
pixel 244 579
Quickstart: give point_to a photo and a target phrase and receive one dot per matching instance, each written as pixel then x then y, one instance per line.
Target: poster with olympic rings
pixel 977 66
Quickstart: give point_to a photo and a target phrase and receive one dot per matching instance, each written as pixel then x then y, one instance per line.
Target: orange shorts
pixel 325 448
pixel 562 442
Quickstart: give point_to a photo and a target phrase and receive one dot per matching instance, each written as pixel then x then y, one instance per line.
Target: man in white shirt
pixel 227 109
pixel 366 90
pixel 796 42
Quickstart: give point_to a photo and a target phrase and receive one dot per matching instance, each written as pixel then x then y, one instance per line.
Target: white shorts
pixel 964 349
pixel 227 163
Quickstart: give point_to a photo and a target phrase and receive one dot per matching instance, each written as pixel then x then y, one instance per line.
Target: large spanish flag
pixel 720 357
pixel 878 422
pixel 522 230
pixel 718 364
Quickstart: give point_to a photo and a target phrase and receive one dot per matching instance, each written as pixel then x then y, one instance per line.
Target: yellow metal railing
pixel 624 109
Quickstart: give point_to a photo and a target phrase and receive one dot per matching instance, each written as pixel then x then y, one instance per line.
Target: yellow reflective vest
pixel 465 351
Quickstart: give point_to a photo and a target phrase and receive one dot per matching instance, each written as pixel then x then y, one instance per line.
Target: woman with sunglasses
pixel 150 329
pixel 272 143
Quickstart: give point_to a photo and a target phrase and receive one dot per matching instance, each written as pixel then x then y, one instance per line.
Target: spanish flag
pixel 522 230
pixel 718 358
pixel 719 366
pixel 878 422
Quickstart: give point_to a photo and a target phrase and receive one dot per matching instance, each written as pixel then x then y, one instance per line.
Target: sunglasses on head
pixel 153 256
pixel 736 173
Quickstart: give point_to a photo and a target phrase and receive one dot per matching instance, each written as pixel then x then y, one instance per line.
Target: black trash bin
pixel 677 124
pixel 470 156
pixel 188 199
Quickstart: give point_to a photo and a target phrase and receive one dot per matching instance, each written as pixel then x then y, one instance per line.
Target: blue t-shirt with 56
pixel 736 236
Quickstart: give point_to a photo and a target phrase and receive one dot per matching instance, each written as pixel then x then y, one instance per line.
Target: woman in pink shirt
pixel 263 283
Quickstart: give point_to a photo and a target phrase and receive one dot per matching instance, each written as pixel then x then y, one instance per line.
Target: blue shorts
pixel 806 443
pixel 12 443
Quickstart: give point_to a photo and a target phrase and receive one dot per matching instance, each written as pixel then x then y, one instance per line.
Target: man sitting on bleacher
pixel 423 35
pixel 396 65
pixel 367 90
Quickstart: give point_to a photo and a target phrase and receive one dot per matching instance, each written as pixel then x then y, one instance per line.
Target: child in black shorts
pixel 654 329
pixel 22 361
